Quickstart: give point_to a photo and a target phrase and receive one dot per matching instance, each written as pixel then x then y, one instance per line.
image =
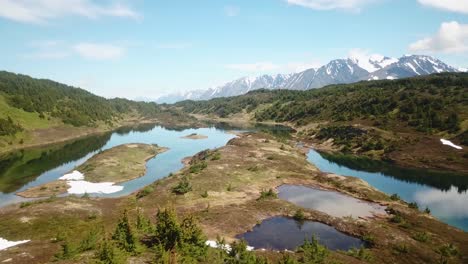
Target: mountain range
pixel 339 71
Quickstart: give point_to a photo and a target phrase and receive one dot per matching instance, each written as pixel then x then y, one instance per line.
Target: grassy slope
pixel 118 164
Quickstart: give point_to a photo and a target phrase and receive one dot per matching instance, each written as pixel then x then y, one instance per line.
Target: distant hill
pixel 436 102
pixel 399 120
pixel 338 71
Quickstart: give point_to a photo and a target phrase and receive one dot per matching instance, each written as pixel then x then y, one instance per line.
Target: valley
pixel 248 167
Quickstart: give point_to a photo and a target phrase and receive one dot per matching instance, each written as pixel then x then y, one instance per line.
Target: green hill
pixel 376 118
pixel 37 111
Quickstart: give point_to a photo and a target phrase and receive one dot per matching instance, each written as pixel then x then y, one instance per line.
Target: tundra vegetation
pixel 167 226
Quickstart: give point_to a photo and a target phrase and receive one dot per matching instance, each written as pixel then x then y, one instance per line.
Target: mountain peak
pixel 357 67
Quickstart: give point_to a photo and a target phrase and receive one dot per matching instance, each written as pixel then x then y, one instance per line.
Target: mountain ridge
pixel 338 71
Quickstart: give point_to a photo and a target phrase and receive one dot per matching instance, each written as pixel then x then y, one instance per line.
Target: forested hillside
pixel 72 105
pixel 432 103
pixel 399 120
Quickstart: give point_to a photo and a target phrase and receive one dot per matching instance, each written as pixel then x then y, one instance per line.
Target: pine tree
pixel 124 236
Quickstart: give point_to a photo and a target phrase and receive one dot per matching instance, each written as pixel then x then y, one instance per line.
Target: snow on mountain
pixel 357 67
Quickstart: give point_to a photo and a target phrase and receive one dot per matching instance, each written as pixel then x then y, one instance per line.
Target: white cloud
pixel 254 67
pixel 231 11
pixel 40 11
pixel 452 37
pixel 97 51
pixel 352 5
pixel 459 6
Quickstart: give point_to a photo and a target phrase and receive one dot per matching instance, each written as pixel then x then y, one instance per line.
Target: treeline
pixel 431 103
pixel 8 127
pixel 72 105
pixel 171 240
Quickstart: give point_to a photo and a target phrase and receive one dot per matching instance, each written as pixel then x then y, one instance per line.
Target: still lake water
pixel 280 233
pixel 444 193
pixel 22 171
pixel 330 202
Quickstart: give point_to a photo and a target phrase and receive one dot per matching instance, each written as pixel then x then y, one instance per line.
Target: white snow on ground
pixel 449 143
pixel 74 176
pixel 4 244
pixel 79 186
pixel 227 248
pixel 82 187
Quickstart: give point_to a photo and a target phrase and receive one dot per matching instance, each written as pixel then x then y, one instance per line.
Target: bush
pixel 413 205
pixel 216 156
pixel 396 219
pixel 446 252
pixel 197 167
pixel 267 194
pixel 108 253
pixel 204 195
pixel 360 253
pixel 145 192
pixel 299 215
pixel 90 242
pixel 421 237
pixel 182 187
pixel 401 248
pixel 313 252
pixel 370 239
pixel 395 197
pixel 239 254
pixel 427 210
pixel 66 251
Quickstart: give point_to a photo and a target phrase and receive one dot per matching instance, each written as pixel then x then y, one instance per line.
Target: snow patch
pixel 73 176
pixel 4 244
pixel 226 247
pixel 82 187
pixel 449 143
pixel 79 186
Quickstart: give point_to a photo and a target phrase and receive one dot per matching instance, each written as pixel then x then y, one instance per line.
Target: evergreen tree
pixel 124 236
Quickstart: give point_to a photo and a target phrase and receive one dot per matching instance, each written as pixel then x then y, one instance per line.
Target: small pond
pixel 329 202
pixel 280 233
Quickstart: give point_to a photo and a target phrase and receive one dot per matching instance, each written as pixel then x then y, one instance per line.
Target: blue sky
pixel 143 48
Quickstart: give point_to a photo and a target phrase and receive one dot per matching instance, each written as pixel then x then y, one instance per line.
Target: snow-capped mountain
pixel 353 69
pixel 412 65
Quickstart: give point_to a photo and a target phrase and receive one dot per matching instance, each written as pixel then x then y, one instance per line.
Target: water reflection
pixel 329 202
pixel 21 170
pixel 443 193
pixel 280 233
pixel 22 167
pixel 441 180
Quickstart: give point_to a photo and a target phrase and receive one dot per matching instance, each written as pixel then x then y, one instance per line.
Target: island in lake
pixel 101 172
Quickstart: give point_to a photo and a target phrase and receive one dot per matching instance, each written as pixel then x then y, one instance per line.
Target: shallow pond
pixel 280 233
pixel 329 202
pixel 24 169
pixel 444 193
